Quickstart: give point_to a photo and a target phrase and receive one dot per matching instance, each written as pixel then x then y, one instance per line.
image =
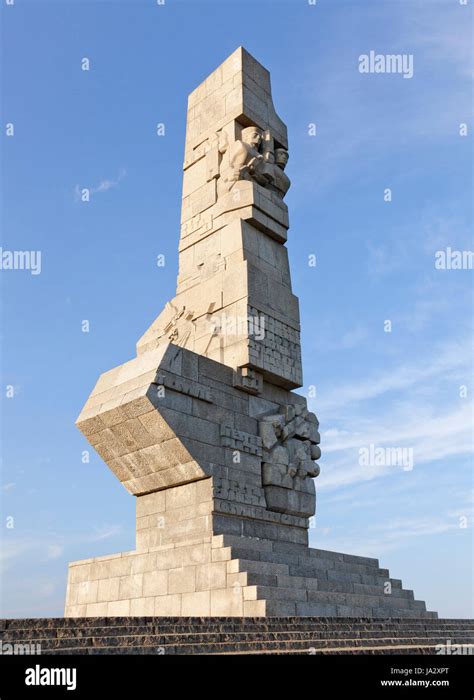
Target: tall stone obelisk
pixel 203 426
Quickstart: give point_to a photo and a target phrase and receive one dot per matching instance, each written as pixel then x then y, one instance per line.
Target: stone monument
pixel 203 426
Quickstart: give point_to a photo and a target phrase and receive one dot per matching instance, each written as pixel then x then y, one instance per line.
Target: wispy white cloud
pixel 446 358
pixel 12 550
pixel 51 546
pixel 54 551
pixel 354 337
pixel 103 186
pixel 415 244
pixel 384 122
pixel 436 438
pixel 399 406
pixel 389 536
pixel 105 532
pixel 440 35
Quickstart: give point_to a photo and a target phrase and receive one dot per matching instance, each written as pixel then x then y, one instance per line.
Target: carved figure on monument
pixel 245 161
pixel 290 444
pixel 281 181
pixel 177 324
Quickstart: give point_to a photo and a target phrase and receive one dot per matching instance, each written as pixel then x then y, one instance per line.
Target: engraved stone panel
pixel 240 440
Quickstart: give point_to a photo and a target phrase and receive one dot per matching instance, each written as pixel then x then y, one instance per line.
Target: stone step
pixel 261 550
pixel 271 581
pixel 344 577
pixel 239 565
pixel 261 545
pixel 352 600
pixel 311 563
pixel 321 584
pixel 339 630
pixel 365 608
pixel 248 543
pixel 213 623
pixel 49 635
pixel 385 650
pixel 147 638
pixel 363 599
pixel 313 567
pixel 345 587
pixel 396 649
pixel 258 567
pixel 307 646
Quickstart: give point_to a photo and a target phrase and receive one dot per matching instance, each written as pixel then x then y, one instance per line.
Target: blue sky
pixel 375 262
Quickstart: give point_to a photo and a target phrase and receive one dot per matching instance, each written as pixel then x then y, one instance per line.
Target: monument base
pixel 231 574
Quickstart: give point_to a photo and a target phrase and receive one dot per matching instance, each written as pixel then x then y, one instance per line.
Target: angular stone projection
pixel 203 425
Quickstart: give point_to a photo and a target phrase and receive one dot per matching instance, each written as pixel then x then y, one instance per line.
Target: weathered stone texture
pixel 203 427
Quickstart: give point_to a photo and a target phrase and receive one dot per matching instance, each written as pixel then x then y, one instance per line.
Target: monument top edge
pixel 240 60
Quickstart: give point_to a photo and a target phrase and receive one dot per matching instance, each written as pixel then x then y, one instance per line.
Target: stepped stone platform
pixel 235 576
pixel 226 635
